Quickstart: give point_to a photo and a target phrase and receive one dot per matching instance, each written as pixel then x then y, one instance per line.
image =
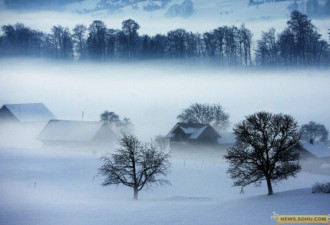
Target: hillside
pixel 238 10
pixel 40 186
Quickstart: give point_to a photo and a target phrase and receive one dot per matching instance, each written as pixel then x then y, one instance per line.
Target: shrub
pixel 321 187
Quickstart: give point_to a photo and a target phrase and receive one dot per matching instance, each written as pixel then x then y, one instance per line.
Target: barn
pixel 69 133
pixel 183 134
pixel 316 150
pixel 25 113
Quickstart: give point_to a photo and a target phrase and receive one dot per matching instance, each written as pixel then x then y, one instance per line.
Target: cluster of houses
pixel 70 133
pixel 55 132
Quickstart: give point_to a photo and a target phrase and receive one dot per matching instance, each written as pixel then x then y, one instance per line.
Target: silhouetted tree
pixel 110 118
pixel 308 48
pixel 96 41
pixel 19 40
pixel 130 30
pixel 80 40
pixel 114 120
pixel 245 43
pixel 206 114
pixel 210 44
pixel 161 141
pixel 266 148
pixel 135 164
pixel 267 49
pixel 112 43
pixel 176 43
pixel 61 40
pixel 314 131
pixel 158 46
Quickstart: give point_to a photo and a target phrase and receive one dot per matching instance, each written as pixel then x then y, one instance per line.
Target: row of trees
pixel 299 44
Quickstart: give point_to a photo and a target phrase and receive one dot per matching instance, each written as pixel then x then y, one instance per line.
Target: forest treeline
pixel 299 44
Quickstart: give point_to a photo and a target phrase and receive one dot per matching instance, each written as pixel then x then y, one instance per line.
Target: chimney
pixel 311 141
pixel 82 115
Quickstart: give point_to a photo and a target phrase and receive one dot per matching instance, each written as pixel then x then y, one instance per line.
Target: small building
pixel 183 134
pixel 315 150
pixel 68 133
pixel 25 113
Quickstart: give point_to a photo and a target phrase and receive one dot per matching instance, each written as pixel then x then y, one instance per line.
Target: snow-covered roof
pixel 67 130
pixel 318 149
pixel 194 130
pixel 30 112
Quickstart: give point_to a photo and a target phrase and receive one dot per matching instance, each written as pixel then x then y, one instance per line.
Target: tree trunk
pixel 269 185
pixel 136 193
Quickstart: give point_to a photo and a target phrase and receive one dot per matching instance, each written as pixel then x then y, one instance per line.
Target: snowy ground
pixel 43 186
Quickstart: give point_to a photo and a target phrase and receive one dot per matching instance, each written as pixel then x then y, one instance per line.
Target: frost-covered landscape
pixel 50 186
pixel 68 100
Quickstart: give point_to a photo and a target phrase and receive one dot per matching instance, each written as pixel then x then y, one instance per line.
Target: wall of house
pixel 7 116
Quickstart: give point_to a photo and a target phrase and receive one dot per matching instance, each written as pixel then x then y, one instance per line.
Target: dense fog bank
pixel 153 94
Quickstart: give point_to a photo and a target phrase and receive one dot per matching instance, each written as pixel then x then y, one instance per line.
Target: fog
pixel 54 185
pixel 153 93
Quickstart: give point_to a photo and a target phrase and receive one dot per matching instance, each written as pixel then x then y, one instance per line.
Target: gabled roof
pixel 67 130
pixel 30 112
pixel 193 130
pixel 318 149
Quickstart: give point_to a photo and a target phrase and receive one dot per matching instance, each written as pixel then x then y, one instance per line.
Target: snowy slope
pixel 40 186
pixel 216 9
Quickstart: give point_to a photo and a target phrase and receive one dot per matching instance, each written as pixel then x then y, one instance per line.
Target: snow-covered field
pixel 207 16
pixel 51 186
pixel 44 186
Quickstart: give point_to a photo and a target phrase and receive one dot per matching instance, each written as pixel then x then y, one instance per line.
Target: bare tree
pixel 79 38
pixel 135 164
pixel 314 131
pixel 162 142
pixel 266 148
pixel 205 113
pixel 112 119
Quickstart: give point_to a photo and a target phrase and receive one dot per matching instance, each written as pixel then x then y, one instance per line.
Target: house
pixel 183 134
pixel 26 113
pixel 68 133
pixel 315 150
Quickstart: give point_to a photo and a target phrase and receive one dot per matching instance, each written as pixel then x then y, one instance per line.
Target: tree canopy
pixel 206 114
pixel 135 164
pixel 313 131
pixel 266 148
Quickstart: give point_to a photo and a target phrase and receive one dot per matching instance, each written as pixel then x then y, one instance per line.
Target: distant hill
pixel 37 4
pixel 216 9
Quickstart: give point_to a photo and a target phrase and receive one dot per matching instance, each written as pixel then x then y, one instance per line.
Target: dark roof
pixel 30 112
pixel 194 130
pixel 68 130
